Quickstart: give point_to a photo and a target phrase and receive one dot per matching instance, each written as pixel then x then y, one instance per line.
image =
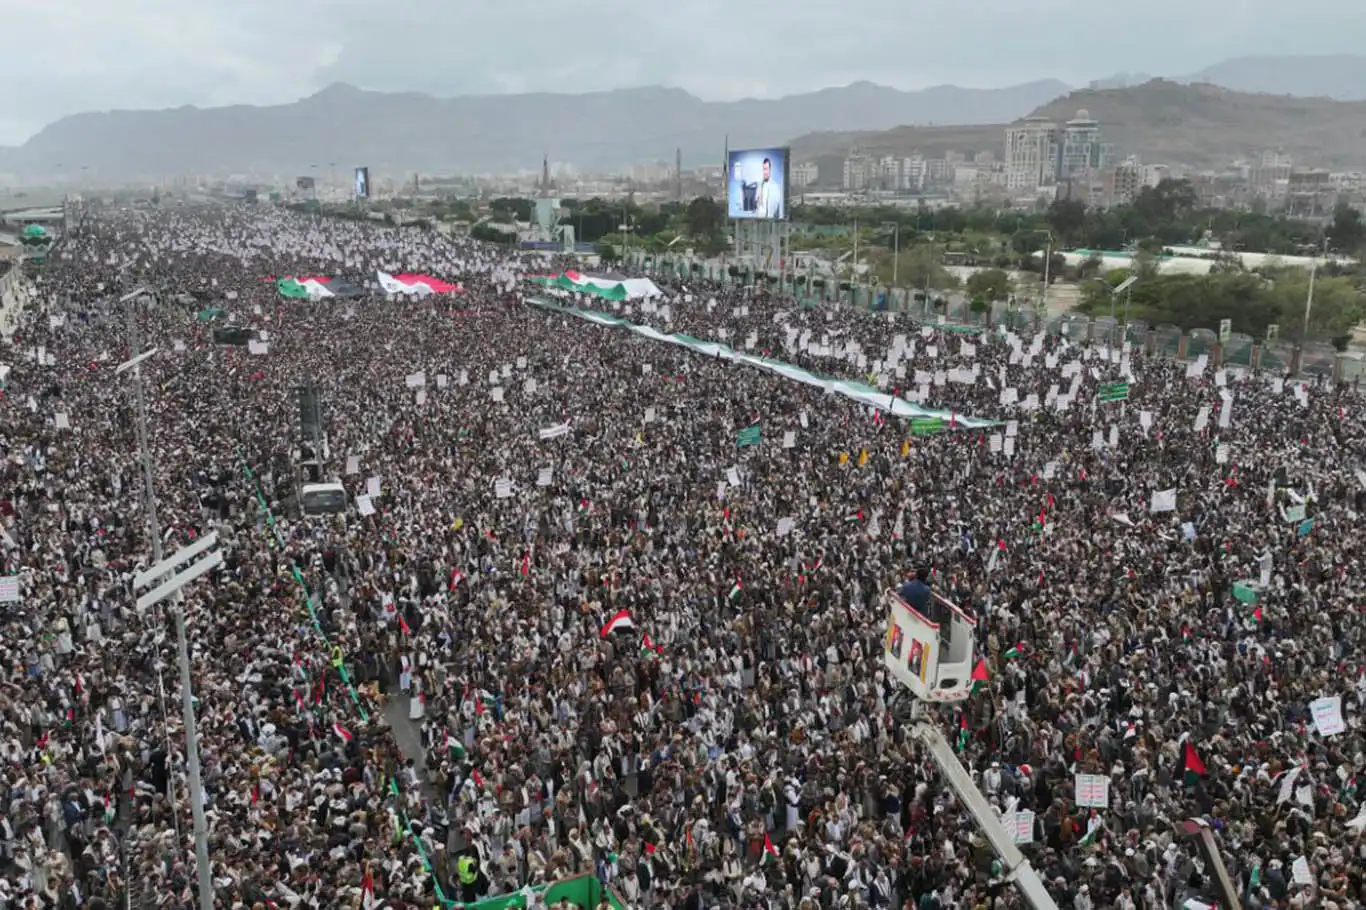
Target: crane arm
pixel 1023 874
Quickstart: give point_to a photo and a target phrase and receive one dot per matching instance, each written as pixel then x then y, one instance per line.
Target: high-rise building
pixel 861 172
pixel 805 174
pixel 1082 149
pixel 1032 154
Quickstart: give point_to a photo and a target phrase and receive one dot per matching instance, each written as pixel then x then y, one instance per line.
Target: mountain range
pixel 1162 121
pixel 402 133
pixel 399 133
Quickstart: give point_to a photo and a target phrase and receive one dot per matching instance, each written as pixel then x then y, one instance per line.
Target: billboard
pixel 756 184
pixel 362 183
pixel 303 183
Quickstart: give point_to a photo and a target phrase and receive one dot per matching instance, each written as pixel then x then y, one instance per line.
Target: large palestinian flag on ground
pixel 317 287
pixel 417 285
pixel 608 286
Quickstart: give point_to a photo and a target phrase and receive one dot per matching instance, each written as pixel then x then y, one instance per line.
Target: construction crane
pixel 932 658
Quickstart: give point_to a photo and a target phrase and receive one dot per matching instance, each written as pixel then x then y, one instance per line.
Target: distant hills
pixel 1341 77
pixel 1187 121
pixel 397 134
pixel 1164 122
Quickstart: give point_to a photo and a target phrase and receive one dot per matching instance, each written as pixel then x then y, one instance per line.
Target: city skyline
pixel 85 56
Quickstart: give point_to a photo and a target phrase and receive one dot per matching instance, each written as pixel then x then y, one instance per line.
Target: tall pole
pixel 201 828
pixel 1309 298
pixel 896 252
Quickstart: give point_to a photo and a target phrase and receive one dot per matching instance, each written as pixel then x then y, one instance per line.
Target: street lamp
pixel 167 588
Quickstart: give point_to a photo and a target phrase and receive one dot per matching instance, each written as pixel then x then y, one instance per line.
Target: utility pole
pixel 201 828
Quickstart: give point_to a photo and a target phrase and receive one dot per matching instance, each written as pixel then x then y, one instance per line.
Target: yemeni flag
pixel 415 285
pixel 622 620
pixel 770 851
pixel 1189 765
pixel 303 288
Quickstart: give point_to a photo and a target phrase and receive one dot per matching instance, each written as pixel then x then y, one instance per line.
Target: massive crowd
pixel 419 700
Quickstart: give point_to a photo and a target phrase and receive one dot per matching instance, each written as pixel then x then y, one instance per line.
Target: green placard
pixel 749 436
pixel 1244 593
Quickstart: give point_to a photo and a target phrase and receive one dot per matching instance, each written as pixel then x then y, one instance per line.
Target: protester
pixel 575 632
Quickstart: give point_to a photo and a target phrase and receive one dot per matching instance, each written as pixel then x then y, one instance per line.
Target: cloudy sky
pixel 67 56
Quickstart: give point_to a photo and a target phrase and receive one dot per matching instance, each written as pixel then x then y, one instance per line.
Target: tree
pixel 704 218
pixel 607 253
pixel 1347 232
pixel 1067 217
pixel 989 284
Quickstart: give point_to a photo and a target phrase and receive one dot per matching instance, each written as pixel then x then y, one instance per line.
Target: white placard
pixel 556 431
pixel 61 421
pixel 372 487
pixel 733 476
pixel 364 505
pixel 1020 825
pixel 785 526
pixel 502 488
pixel 9 590
pixel 497 393
pixel 442 380
pixel 416 380
pixel 421 397
pixel 1300 872
pixel 544 476
pixel 1163 501
pixel 1092 791
pixel 650 415
pixel 789 440
pixel 1327 713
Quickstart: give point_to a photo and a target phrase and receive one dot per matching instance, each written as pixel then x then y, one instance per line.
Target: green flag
pixel 749 436
pixel 1114 391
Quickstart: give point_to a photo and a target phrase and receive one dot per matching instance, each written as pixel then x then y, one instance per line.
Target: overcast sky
pixel 62 57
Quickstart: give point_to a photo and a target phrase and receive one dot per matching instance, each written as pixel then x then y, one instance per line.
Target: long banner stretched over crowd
pixel 609 287
pixel 857 391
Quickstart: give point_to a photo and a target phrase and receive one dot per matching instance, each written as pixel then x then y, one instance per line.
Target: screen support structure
pixel 763 246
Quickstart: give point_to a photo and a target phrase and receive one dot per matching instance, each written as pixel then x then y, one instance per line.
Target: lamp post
pixel 896 247
pixel 201 828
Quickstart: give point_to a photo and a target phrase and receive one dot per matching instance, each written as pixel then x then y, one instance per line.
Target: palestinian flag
pixel 609 287
pixel 622 620
pixel 770 851
pixel 980 676
pixel 736 590
pixel 650 647
pixel 345 734
pixel 416 285
pixel 454 746
pixel 1189 765
pixel 304 288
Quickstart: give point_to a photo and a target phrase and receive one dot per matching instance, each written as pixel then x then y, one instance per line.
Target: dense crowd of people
pixel 567 624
